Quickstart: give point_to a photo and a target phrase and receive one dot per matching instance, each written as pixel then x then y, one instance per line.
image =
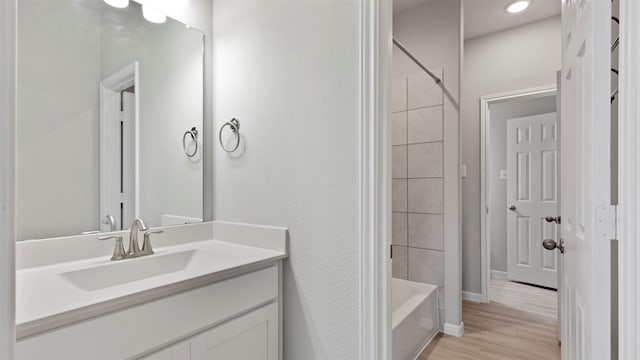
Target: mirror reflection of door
pixel 127 164
pixel 118 122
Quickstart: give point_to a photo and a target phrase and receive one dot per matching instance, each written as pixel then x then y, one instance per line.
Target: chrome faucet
pixel 134 247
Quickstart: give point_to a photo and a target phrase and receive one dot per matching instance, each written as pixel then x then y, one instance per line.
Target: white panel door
pixel 532 195
pixel 586 179
pixel 128 166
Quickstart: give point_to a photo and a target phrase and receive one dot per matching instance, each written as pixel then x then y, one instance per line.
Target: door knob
pixel 551 244
pixel 512 208
pixel 553 219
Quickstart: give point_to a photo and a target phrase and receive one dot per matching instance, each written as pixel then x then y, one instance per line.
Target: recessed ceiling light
pixel 518 6
pixel 153 15
pixel 118 3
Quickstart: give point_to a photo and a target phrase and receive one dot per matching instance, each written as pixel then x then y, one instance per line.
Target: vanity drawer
pixel 145 328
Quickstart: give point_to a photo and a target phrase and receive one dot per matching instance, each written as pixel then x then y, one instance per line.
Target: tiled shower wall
pixel 418 184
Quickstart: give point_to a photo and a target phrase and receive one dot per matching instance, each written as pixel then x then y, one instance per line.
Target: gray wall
pixel 58 107
pixel 520 58
pixel 497 158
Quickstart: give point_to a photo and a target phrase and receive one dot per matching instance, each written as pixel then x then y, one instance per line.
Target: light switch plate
pixel 463 171
pixel 503 174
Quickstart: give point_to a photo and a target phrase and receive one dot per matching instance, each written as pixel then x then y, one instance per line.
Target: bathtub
pixel 414 318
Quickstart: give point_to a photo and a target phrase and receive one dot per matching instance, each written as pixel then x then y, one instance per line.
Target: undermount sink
pixel 126 271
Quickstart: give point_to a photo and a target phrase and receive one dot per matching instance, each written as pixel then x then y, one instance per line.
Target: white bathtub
pixel 414 318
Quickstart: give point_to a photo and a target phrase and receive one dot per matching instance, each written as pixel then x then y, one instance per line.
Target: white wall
pixel 290 72
pixel 432 33
pixel 519 58
pixel 497 158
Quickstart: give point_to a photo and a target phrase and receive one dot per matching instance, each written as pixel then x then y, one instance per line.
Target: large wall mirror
pixel 110 115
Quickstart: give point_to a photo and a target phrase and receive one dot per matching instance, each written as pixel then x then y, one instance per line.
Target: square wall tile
pixel 399 264
pixel 399 128
pixel 423 91
pixel 425 160
pixel 399 161
pixel 399 95
pixel 426 196
pixel 426 231
pixel 426 266
pixel 399 228
pixel 399 195
pixel 424 125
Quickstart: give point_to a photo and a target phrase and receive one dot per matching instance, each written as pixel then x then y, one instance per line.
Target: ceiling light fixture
pixel 181 4
pixel 153 15
pixel 118 3
pixel 518 6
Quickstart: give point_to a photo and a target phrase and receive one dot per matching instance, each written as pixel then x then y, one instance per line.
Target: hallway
pixel 496 331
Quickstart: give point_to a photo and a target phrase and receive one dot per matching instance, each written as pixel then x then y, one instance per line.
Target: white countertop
pixel 46 298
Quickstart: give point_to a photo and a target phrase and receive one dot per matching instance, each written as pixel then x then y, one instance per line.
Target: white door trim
pixel 485 103
pixel 110 89
pixel 7 176
pixel 375 180
pixel 629 182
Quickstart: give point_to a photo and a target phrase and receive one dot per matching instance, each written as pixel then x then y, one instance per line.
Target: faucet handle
pixel 118 251
pixel 146 245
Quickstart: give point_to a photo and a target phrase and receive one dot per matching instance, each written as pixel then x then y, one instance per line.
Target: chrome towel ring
pixel 194 137
pixel 234 124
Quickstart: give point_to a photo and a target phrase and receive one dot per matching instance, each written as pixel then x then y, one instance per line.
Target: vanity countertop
pixel 58 294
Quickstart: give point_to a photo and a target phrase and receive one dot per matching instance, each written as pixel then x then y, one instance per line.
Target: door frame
pixel 628 209
pixel 110 89
pixel 7 176
pixel 485 217
pixel 375 180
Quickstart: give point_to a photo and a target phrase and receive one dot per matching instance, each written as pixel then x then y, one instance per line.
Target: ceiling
pixel 482 17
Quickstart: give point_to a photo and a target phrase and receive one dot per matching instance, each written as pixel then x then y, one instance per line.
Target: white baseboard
pixel 454 330
pixel 495 274
pixel 471 296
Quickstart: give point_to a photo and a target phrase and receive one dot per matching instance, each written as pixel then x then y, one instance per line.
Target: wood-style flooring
pixel 519 324
pixel 531 299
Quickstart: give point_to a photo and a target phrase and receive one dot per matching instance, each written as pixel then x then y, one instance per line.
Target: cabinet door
pixel 179 351
pixel 253 336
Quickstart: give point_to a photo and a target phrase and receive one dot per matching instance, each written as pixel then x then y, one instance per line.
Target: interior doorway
pixel 519 173
pixel 119 104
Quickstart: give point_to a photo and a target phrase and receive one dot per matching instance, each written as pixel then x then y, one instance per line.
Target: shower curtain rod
pixel 404 50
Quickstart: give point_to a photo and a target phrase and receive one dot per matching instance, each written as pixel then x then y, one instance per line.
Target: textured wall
pixel 290 72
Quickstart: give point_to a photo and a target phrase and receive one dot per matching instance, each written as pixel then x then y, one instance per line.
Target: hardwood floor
pixel 502 331
pixel 531 299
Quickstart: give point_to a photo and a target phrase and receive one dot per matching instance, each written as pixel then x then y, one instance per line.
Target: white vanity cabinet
pixel 179 351
pixel 253 336
pixel 235 318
